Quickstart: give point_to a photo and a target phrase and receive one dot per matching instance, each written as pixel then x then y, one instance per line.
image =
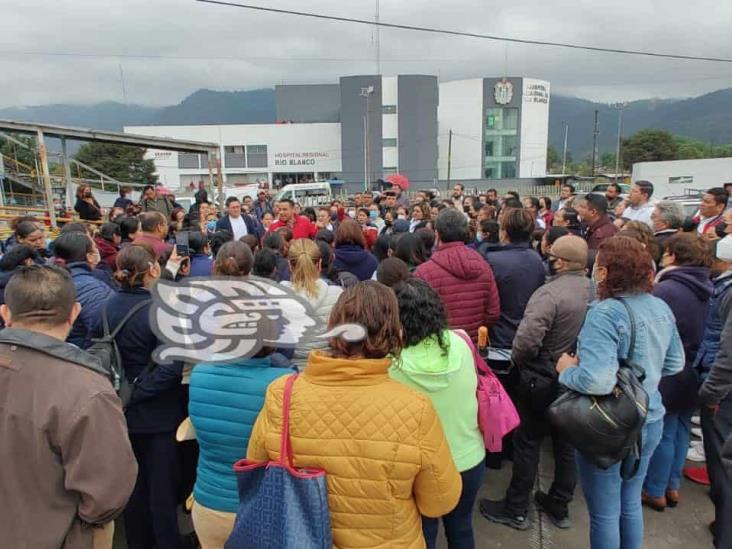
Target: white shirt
pixel 641 213
pixel 704 221
pixel 238 226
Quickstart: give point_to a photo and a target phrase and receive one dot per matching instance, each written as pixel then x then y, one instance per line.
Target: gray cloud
pixel 252 49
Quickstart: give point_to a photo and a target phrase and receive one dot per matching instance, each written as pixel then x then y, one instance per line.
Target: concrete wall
pixel 674 177
pixel 461 110
pixel 418 97
pixel 353 110
pixel 308 103
pixel 534 128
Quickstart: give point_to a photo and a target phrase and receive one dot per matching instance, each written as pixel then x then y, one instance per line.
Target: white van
pixel 307 194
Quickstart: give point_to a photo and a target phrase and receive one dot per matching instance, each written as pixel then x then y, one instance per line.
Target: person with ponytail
pixel 305 265
pixel 223 430
pixel 233 259
pixel 156 408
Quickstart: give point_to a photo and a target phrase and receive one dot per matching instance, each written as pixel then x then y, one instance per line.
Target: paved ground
pixel 685 526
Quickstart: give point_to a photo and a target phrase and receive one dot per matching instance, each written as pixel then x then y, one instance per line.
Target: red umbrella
pixel 398 180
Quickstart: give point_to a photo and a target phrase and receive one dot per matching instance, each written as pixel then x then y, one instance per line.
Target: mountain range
pixel 707 117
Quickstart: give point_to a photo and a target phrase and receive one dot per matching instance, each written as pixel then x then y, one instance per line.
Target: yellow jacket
pixel 380 443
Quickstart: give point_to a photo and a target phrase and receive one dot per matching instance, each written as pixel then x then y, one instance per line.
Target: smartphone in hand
pixel 181 244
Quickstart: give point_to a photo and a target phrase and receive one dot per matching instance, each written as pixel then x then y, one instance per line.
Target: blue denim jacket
pixel 605 338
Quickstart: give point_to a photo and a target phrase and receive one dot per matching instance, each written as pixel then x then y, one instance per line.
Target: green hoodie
pixel 450 382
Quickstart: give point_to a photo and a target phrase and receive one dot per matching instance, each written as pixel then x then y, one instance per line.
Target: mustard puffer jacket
pixel 380 443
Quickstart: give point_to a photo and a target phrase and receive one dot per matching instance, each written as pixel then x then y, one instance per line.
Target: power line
pixel 467 34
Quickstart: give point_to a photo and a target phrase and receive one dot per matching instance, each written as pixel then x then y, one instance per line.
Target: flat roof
pixel 86 134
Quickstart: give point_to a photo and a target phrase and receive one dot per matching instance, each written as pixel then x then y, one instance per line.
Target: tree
pixel 12 151
pixel 649 146
pixel 553 160
pixel 607 160
pixel 124 163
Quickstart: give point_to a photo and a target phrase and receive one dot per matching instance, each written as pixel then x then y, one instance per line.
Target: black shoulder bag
pixel 606 429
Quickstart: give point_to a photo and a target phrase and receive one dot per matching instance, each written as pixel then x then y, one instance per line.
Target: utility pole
pixel 449 158
pixel 620 107
pixel 595 133
pixel 564 151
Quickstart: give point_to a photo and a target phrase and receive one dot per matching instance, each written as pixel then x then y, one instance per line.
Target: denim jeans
pixel 664 470
pixel 616 516
pixel 459 522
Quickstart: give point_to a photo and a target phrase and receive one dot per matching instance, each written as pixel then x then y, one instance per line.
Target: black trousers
pixel 527 441
pixel 151 519
pixel 717 429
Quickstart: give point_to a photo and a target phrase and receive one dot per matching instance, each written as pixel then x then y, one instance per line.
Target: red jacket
pixel 302 227
pixel 465 282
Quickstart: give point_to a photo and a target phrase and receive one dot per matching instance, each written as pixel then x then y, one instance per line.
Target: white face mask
pixel 402 216
pixel 96 258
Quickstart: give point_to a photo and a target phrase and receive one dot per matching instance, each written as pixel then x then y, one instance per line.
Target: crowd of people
pixel 567 289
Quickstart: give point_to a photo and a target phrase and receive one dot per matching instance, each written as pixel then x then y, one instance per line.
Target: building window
pixel 234 156
pixel 501 119
pixel 389 142
pixel 257 156
pixel 388 109
pixel 501 143
pixel 390 171
pixel 500 170
pixel 191 161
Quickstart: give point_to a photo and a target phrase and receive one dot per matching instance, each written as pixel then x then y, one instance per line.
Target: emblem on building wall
pixel 503 92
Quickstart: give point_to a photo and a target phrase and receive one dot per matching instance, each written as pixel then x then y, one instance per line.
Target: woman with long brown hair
pixel 380 442
pixel 624 276
pixel 86 205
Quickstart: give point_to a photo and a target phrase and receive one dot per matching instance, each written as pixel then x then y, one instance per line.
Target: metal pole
pixel 564 151
pixel 67 174
pixel 220 181
pixel 368 147
pixel 617 147
pixel 449 158
pixel 595 133
pixel 365 155
pixel 46 178
pixel 618 165
pixel 211 185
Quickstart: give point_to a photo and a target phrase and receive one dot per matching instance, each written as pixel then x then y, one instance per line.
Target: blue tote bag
pixel 281 506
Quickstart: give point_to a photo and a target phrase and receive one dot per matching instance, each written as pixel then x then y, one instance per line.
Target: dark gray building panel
pixel 417 99
pixel 308 103
pixel 353 110
pixel 489 101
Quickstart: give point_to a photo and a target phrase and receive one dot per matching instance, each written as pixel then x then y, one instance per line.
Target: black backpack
pixel 106 351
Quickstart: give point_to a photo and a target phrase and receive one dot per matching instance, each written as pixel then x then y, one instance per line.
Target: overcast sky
pixel 267 49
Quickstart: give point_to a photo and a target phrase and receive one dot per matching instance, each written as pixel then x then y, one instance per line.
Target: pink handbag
pixel 497 416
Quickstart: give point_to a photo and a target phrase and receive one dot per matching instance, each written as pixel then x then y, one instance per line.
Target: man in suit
pixel 237 224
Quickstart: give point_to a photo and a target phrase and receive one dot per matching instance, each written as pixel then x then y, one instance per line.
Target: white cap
pixel 724 249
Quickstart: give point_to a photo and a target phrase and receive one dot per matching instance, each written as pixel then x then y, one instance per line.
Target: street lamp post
pixel 366 92
pixel 620 107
